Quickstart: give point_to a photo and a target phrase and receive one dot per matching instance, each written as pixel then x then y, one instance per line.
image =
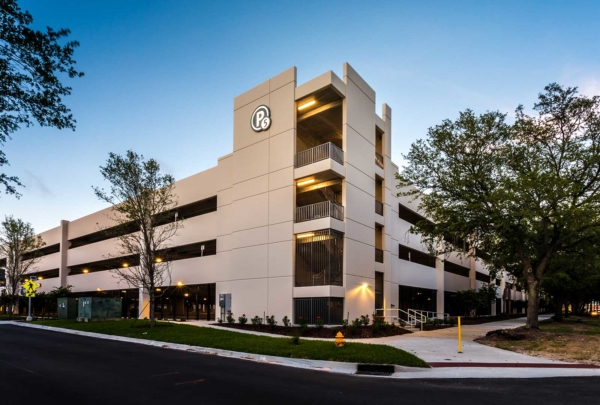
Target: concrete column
pixel 439 267
pixel 472 271
pixel 63 270
pixel 143 304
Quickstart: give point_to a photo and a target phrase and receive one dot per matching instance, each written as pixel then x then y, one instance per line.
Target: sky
pixel 161 76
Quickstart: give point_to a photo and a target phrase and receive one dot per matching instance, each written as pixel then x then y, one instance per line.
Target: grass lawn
pixel 240 342
pixel 576 339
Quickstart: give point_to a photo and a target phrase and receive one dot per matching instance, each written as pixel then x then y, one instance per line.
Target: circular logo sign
pixel 261 118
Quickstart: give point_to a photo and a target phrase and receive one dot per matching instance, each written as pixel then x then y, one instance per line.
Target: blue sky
pixel 160 76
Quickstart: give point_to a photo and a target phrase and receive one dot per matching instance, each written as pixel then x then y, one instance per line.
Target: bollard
pixel 459 337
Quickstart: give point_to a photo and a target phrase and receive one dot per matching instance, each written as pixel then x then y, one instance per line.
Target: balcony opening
pixel 319 127
pixel 319 258
pixel 378 196
pixel 319 200
pixel 378 148
pixel 379 243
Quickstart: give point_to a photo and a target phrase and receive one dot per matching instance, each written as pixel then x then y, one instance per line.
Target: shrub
pixel 296 339
pixel 319 322
pixel 402 323
pixel 365 320
pixel 344 323
pixel 357 323
pixel 256 321
pixel 379 323
pixel 271 321
pixel 303 322
pixel 230 318
pixel 243 320
pixel 286 321
pixel 219 320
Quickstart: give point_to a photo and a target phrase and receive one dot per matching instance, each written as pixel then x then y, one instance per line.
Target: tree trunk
pixel 533 298
pixel 152 317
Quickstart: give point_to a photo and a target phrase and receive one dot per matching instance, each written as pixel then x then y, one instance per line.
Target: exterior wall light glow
pixel 125 265
pixel 186 294
pixel 158 290
pixel 158 260
pixel 305 182
pixel 40 278
pixel 306 105
pixel 365 286
pixel 305 235
pixel 180 284
pixel 86 271
pixel 98 289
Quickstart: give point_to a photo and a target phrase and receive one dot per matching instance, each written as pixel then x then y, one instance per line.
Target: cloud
pixel 590 87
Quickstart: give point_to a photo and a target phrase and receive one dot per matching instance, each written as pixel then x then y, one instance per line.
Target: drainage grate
pixel 375 369
pixel 381 373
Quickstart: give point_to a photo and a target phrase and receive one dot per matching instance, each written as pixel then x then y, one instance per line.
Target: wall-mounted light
pixel 158 290
pixel 40 278
pixel 125 265
pixel 305 182
pixel 186 295
pixel 305 235
pixel 98 289
pixel 365 286
pixel 180 284
pixel 306 105
pixel 123 291
pixel 86 271
pixel 158 260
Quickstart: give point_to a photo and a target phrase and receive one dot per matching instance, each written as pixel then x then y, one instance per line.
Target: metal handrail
pixel 323 209
pixel 378 160
pixel 414 317
pixel 325 151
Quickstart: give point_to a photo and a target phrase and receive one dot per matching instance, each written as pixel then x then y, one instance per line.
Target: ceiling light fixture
pixel 305 235
pixel 305 182
pixel 306 105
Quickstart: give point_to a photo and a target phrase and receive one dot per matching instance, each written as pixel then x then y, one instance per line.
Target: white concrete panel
pixel 93 252
pixel 350 73
pixel 454 282
pixel 198 270
pixel 464 261
pixel 92 281
pixel 197 229
pixel 251 237
pixel 281 205
pixel 251 95
pixel 413 274
pixel 224 197
pixel 249 297
pixel 360 259
pixel 359 205
pixel 319 291
pixel 51 236
pixel 360 180
pixel 320 224
pixel 328 79
pixel 224 222
pixel 251 162
pixel 360 153
pixel 283 112
pixel 249 188
pixel 250 262
pixel 196 187
pixel 281 232
pixel 360 298
pixel 281 150
pixel 225 172
pixel 224 243
pixel 360 233
pixel 281 178
pixel 282 78
pixel 326 165
pixel 47 262
pixel 281 259
pixel 360 113
pixel 251 212
pixel 279 301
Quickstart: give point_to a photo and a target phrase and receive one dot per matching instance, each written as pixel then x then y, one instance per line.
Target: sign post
pixel 30 286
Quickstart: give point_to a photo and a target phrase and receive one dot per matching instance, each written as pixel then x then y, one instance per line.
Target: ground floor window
pixel 378 290
pixel 190 302
pixel 417 298
pixel 329 309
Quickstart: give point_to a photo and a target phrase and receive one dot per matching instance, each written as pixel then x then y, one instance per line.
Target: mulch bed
pixel 364 332
pixel 510 334
pixel 487 319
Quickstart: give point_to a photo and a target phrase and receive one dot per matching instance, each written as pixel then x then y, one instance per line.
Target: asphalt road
pixel 44 367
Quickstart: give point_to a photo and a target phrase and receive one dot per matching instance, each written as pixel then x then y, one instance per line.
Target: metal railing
pixel 378 160
pixel 325 151
pixel 413 318
pixel 323 209
pixel 378 255
pixel 379 207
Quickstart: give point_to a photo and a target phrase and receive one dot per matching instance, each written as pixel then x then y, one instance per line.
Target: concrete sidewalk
pixel 441 346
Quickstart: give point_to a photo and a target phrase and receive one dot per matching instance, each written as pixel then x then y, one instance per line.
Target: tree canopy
pixel 518 194
pixel 31 65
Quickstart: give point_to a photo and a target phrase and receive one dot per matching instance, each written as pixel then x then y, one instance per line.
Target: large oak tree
pixel 518 194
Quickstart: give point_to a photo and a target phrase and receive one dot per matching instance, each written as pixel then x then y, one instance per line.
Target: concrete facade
pixel 260 189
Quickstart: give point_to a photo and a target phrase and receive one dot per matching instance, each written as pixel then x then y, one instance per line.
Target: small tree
pixel 31 62
pixel 19 245
pixel 143 197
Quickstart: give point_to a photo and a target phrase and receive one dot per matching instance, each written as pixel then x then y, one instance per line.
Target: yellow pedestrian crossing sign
pixel 30 286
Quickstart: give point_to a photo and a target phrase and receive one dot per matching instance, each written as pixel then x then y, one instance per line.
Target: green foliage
pixel 229 318
pixel 243 320
pixel 256 321
pixel 519 194
pixel 248 343
pixel 365 319
pixel 468 302
pixel 31 62
pixel 286 321
pixel 271 321
pixel 345 323
pixel 319 322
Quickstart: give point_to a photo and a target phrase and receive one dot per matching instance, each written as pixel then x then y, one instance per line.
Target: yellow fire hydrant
pixel 339 340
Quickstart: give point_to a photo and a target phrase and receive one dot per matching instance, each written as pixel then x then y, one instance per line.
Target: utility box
pixel 225 304
pixel 67 308
pixel 94 309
